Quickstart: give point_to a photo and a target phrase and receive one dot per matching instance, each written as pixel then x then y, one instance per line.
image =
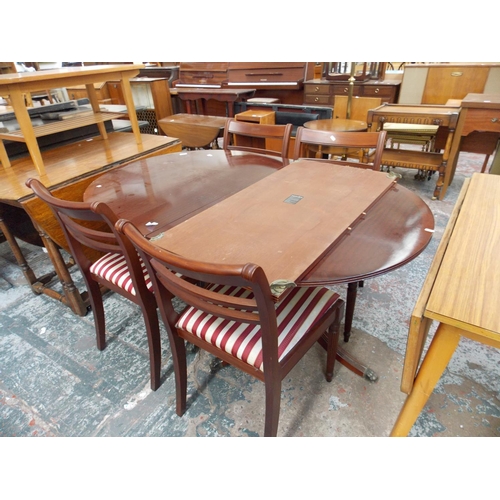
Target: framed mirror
pixel 360 71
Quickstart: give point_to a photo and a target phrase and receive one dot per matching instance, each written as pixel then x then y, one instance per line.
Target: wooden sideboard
pixel 436 83
pixel 322 92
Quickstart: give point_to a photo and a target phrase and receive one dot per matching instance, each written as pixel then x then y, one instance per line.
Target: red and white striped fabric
pixel 298 311
pixel 113 267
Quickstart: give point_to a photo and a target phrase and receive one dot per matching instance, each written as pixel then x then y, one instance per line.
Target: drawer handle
pixel 316 89
pixel 494 120
pixel 316 99
pixel 377 91
pixel 346 90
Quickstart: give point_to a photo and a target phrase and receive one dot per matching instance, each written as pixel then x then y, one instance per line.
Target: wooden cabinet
pixel 437 83
pixel 322 92
pixel 152 94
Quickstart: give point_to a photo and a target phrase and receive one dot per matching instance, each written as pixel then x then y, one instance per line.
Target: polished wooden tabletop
pixel 337 125
pixel 160 192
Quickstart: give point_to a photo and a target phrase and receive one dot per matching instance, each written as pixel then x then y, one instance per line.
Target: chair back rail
pixel 370 144
pixel 251 137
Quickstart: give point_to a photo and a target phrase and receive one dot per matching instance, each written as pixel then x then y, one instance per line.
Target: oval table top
pixel 337 125
pixel 158 193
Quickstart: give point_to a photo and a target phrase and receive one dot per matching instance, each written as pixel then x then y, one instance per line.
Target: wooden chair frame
pixel 251 137
pixel 90 233
pixel 370 145
pixel 164 268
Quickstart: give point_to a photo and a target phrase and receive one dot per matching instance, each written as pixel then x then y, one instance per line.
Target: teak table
pixel 16 85
pixel 460 292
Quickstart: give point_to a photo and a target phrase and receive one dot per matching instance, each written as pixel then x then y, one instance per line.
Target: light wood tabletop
pixel 460 292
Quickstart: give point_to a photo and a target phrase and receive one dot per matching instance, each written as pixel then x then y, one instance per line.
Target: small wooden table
pixel 478 129
pixel 229 96
pixel 460 292
pixel 195 131
pixel 337 125
pixel 15 85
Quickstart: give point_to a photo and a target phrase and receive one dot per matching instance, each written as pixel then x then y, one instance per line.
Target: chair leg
pixel 178 348
pixel 273 397
pixel 97 306
pixel 154 343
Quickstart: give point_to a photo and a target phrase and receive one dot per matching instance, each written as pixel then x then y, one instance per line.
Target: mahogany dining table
pixel 159 193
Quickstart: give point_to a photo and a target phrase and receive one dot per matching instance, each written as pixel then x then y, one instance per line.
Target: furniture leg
pixel 4 157
pixel 440 351
pixel 77 302
pixel 417 335
pixel 352 290
pixel 16 250
pixel 24 121
pixel 350 362
pixel 132 114
pixel 95 107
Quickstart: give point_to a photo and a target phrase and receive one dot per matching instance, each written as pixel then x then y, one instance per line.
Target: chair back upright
pixel 252 137
pixel 370 145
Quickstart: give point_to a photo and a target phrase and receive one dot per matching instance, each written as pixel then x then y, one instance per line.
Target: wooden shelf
pixel 15 86
pixel 77 121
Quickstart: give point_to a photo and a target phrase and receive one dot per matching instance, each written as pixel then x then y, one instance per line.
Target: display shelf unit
pixel 15 85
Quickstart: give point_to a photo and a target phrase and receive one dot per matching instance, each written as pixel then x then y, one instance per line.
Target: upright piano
pixel 281 80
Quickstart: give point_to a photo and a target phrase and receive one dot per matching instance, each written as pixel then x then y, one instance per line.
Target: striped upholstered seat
pixel 113 268
pixel 295 315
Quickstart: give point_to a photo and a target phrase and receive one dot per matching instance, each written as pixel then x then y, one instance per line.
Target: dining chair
pixel 366 147
pixel 107 261
pixel 255 138
pixel 236 319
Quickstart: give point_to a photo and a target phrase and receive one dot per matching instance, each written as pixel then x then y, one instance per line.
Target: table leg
pixel 352 291
pixel 132 114
pixel 24 121
pixel 94 102
pixel 4 157
pixel 438 356
pixel 71 297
